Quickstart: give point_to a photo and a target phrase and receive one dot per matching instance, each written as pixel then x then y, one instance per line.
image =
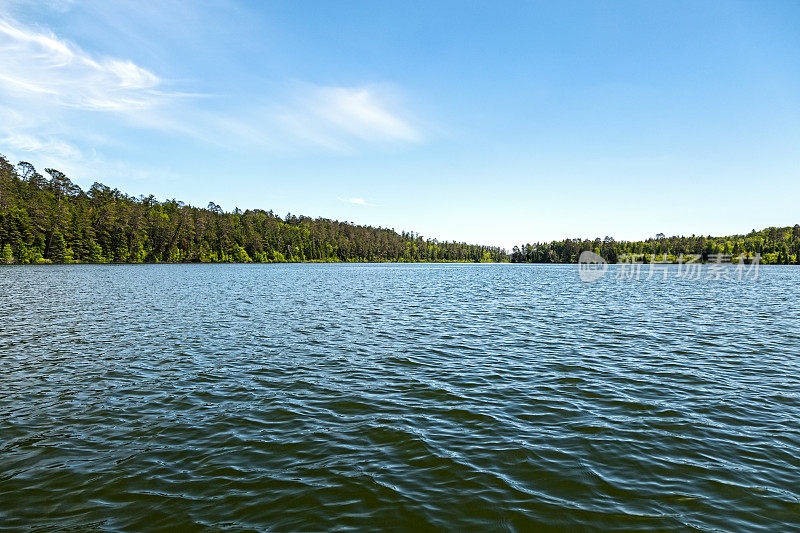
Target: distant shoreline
pixel 55 221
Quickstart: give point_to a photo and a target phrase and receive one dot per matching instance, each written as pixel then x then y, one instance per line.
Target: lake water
pixel 462 397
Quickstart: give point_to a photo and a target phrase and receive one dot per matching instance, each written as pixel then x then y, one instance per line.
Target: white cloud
pixel 37 64
pixel 49 85
pixel 306 117
pixel 47 145
pixel 29 132
pixel 357 201
pixel 343 117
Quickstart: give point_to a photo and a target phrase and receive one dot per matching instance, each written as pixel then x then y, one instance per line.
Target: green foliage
pixel 7 255
pixel 96 253
pixel 239 255
pixel 54 220
pixel 58 248
pixel 23 254
pixel 776 246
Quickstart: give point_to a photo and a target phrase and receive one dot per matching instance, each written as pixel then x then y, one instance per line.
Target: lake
pixel 419 396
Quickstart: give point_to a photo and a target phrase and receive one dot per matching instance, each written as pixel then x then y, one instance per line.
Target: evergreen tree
pixel 7 255
pixel 55 221
pixel 58 249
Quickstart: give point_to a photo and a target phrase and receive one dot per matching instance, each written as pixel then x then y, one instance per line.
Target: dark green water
pixel 399 397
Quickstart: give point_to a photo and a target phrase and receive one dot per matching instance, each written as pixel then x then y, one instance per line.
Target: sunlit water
pixel 463 397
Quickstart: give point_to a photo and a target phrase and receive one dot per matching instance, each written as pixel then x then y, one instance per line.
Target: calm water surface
pixel 461 397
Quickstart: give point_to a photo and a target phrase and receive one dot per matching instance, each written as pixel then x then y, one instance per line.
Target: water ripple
pixel 374 397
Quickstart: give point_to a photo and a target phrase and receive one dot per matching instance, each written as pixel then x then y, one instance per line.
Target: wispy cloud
pixel 303 117
pixel 42 145
pixel 340 117
pixel 27 130
pixel 356 201
pixel 49 84
pixel 37 64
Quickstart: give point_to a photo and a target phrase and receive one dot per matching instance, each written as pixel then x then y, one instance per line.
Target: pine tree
pixel 7 255
pixel 58 250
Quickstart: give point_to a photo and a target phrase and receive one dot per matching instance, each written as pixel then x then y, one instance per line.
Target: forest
pixel 49 219
pixel 775 246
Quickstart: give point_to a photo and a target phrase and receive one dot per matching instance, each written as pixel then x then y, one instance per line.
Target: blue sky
pixel 488 122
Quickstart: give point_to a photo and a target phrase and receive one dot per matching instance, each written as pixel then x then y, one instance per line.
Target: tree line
pixel 775 245
pixel 49 219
